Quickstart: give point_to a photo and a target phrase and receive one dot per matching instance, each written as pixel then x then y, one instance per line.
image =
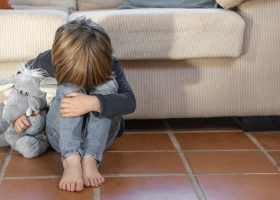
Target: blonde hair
pixel 82 54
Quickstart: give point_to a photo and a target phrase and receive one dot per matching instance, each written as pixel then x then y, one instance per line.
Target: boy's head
pixel 82 54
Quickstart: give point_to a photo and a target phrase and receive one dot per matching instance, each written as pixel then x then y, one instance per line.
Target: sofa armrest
pixel 227 4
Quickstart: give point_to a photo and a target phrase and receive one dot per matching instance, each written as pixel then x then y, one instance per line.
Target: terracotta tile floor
pixel 177 159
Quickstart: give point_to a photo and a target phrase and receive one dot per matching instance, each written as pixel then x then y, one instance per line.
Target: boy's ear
pixel 49 86
pixel 7 84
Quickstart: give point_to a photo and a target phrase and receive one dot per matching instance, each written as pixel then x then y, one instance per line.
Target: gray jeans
pixel 85 134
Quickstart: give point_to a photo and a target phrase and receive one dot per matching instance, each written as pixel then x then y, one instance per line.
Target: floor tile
pixel 141 163
pixel 275 155
pixel 214 141
pixel 203 124
pixel 269 140
pixel 141 142
pixel 229 162
pixel 247 187
pixel 140 188
pixel 3 149
pixel 39 189
pixel 152 125
pixel 44 165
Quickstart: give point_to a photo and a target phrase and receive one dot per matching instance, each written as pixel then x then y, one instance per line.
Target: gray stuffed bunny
pixel 27 91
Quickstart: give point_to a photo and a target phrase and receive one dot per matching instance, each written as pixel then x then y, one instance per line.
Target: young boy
pixel 86 115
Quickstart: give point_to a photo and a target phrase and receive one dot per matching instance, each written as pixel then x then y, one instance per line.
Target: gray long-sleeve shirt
pixel 119 104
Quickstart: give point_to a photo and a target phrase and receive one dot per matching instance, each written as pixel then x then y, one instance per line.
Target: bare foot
pixel 91 176
pixel 72 175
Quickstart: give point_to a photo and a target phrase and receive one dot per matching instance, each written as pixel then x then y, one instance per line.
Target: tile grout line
pixel 139 175
pixel 97 191
pixel 5 163
pixel 196 186
pixel 149 132
pixel 228 174
pixel 272 150
pixel 154 175
pixel 151 151
pixel 263 150
pixel 47 152
pixel 31 177
pixel 213 131
pixel 166 132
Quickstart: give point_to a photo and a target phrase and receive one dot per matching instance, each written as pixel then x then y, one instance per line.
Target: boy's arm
pixel 122 103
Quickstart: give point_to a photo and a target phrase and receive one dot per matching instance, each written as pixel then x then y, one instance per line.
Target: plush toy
pixel 28 91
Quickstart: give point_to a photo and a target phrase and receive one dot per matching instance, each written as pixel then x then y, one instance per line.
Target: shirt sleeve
pixel 119 104
pixel 43 61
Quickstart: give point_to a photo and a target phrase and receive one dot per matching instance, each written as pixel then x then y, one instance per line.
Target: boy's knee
pixel 66 88
pixel 111 87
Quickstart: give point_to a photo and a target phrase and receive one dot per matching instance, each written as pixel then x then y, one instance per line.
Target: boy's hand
pixel 76 104
pixel 22 123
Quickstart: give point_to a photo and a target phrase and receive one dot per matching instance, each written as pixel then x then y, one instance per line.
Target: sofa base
pixel 260 123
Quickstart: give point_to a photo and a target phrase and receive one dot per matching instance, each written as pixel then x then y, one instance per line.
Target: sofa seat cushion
pixel 23 7
pixel 26 33
pixel 163 33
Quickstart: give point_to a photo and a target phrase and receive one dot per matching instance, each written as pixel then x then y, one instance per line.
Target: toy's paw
pixel 28 146
pixel 32 130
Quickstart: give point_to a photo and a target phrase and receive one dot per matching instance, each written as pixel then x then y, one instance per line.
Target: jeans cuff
pixel 97 158
pixel 70 152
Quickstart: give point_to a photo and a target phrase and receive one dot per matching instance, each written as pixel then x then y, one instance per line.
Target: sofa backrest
pixel 70 4
pixel 26 33
pixel 98 4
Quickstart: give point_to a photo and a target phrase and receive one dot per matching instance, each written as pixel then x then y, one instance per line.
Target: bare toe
pixel 99 181
pixel 60 185
pixel 102 179
pixel 96 182
pixel 68 186
pixel 86 182
pixel 73 187
pixel 64 186
pixel 79 186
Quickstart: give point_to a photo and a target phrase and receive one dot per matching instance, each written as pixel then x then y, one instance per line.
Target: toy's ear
pixel 7 84
pixel 49 85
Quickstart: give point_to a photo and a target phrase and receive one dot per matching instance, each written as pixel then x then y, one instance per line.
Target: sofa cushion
pixel 98 4
pixel 134 4
pixel 18 7
pixel 171 33
pixel 69 4
pixel 26 33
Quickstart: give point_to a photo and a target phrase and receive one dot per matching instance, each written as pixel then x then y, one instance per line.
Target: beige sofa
pixel 181 63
